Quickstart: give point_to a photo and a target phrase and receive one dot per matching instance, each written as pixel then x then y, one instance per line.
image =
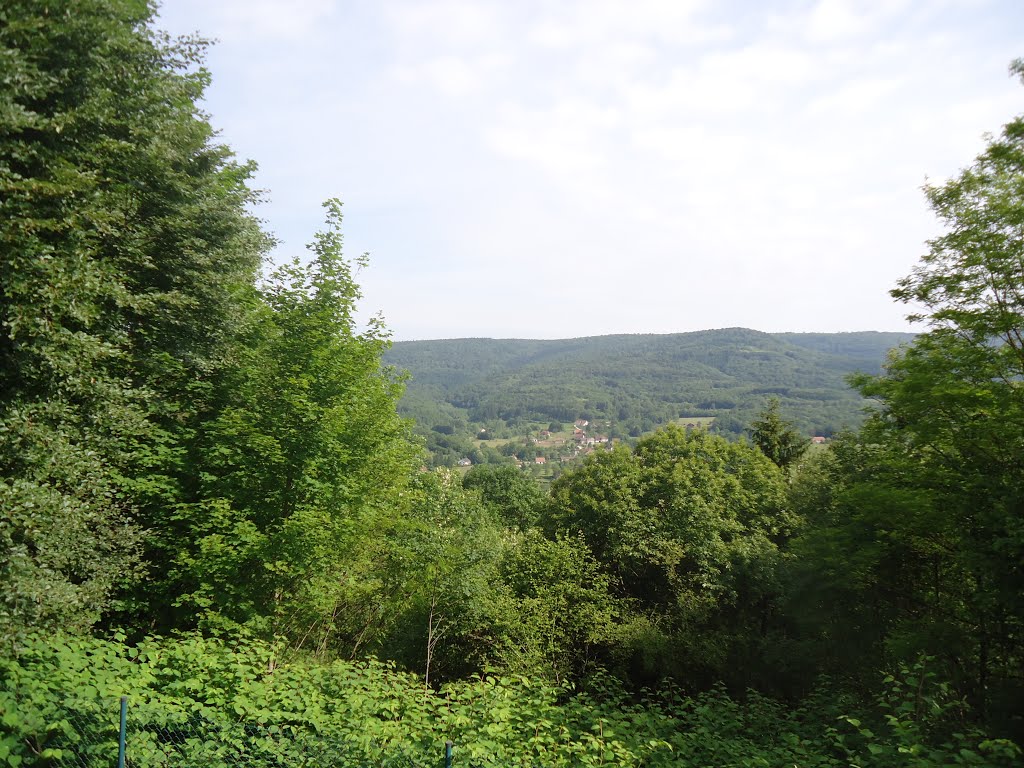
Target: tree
pixel 300 467
pixel 564 616
pixel 127 254
pixel 688 527
pixel 776 438
pixel 869 580
pixel 508 492
pixel 949 435
pixel 443 555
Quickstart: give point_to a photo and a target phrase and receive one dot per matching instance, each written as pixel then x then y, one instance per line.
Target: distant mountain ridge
pixel 638 382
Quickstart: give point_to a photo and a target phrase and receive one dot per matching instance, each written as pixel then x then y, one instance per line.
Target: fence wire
pixel 83 733
pixel 86 733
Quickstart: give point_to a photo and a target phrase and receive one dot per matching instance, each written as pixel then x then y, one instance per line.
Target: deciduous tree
pixel 934 521
pixel 302 462
pixel 126 246
pixel 688 527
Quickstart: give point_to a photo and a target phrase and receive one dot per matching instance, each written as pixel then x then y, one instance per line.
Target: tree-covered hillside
pixel 631 384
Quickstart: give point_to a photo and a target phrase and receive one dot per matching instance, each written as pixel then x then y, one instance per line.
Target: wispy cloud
pixel 554 169
pixel 256 21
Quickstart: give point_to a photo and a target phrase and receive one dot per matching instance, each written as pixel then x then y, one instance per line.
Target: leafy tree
pixel 925 525
pixel 511 494
pixel 444 555
pixel 300 466
pixel 564 617
pixel 688 527
pixel 127 249
pixel 868 578
pixel 777 438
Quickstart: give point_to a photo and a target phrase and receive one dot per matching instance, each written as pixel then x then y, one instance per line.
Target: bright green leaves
pixel 970 280
pixel 196 701
pixel 688 526
pixel 303 460
pixel 566 616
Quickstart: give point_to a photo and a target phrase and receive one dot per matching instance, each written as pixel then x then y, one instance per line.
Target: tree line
pixel 195 445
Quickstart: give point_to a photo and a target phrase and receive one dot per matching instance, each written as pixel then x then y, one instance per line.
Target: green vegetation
pixel 128 257
pixel 631 385
pixel 777 438
pixel 687 526
pixel 232 704
pixel 211 504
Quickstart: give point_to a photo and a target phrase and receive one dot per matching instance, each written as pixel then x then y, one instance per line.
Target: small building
pixel 540 460
pixel 465 463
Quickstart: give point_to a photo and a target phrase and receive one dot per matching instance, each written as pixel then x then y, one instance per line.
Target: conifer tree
pixel 776 437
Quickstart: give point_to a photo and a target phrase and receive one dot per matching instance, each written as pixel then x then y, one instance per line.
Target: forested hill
pixel 638 382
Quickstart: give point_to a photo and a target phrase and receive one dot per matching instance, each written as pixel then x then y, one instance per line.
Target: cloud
pixel 572 25
pixel 832 21
pixel 564 141
pixel 259 20
pixel 444 24
pixel 593 166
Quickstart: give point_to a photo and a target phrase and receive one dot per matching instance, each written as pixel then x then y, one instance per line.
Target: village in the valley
pixel 571 446
pixel 545 451
pixel 548 446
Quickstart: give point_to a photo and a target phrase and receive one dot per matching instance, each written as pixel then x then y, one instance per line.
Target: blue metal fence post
pixel 448 754
pixel 121 736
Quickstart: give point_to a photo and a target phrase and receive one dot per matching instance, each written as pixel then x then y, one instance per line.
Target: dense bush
pixel 220 701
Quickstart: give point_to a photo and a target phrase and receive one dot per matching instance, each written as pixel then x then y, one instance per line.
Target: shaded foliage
pixel 777 438
pixel 916 541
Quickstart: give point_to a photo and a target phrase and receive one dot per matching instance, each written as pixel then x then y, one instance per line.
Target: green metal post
pixel 448 754
pixel 121 737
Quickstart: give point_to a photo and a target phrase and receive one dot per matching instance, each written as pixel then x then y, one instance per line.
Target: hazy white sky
pixel 565 168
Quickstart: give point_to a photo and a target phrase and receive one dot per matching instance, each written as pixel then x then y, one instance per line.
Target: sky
pixel 565 168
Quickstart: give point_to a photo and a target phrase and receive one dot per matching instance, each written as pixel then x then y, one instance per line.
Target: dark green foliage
pixel 125 245
pixel 160 413
pixel 776 437
pixel 915 541
pixel 508 492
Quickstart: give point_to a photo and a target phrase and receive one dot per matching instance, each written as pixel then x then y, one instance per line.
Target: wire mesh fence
pixel 79 732
pixel 88 733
